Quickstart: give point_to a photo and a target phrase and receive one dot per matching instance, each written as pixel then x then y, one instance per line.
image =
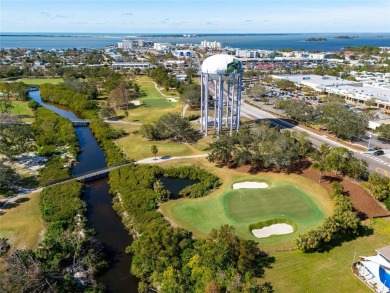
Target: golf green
pixel 243 207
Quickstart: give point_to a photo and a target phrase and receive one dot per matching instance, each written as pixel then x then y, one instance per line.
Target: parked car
pixel 379 153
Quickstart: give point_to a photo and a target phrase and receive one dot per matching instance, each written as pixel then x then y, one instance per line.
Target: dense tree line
pixel 66 95
pixel 332 115
pixel 169 259
pixel 379 187
pixel 370 50
pixel 15 139
pixel 102 131
pixel 18 90
pixel 342 225
pixel 340 160
pixel 53 132
pixel 54 135
pixel 9 179
pixel 67 258
pixel 170 126
pixel 104 135
pixel 261 147
pixel 162 77
pixel 383 130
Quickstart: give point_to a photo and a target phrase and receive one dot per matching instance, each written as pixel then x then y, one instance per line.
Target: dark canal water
pixel 100 214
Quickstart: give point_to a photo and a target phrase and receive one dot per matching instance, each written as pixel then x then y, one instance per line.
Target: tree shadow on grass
pixel 363 231
pixel 14 204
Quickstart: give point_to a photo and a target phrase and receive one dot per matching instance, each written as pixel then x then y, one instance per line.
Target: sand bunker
pixel 135 102
pixel 250 185
pixel 275 229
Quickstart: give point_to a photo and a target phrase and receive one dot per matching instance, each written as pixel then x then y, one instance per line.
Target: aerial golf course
pixel 283 199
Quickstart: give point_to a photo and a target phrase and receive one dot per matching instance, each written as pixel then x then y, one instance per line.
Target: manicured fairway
pixel 38 81
pixel 242 207
pixel 152 98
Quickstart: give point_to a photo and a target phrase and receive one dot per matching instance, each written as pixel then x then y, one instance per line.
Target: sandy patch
pixel 250 185
pixel 275 229
pixel 172 100
pixel 135 102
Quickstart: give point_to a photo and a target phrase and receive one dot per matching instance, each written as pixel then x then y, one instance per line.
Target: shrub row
pixel 342 225
pixel 104 135
pixel 379 187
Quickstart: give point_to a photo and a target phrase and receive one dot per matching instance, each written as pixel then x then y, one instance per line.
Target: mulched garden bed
pixel 364 203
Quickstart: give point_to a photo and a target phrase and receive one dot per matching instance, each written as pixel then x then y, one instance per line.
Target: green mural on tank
pixel 234 66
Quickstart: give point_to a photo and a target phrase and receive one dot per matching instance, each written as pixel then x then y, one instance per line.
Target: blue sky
pixel 186 16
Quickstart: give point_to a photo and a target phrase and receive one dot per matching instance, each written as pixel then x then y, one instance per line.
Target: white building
pixel 162 46
pixel 247 54
pixel 351 90
pixel 130 65
pixel 212 45
pixel 126 45
pixel 375 270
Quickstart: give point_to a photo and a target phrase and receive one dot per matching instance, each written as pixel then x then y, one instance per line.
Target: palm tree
pixel 154 150
pixel 321 166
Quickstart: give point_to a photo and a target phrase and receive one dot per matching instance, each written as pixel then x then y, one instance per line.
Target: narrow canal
pixel 100 214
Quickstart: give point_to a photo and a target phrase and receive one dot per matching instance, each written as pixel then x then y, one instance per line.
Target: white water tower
pixel 221 77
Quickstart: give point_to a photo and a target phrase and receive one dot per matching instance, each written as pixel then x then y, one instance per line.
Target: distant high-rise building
pixel 212 45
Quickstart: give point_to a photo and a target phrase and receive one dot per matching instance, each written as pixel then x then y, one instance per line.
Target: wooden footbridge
pixel 80 122
pixel 92 175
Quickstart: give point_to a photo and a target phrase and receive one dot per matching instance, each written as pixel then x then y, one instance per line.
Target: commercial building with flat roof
pixel 351 90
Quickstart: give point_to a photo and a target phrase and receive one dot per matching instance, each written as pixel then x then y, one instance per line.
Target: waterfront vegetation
pixel 67 258
pixel 217 263
pixel 105 135
pixel 54 135
pixel 170 258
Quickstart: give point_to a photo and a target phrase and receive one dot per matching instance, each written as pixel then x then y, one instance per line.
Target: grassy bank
pixel 20 108
pixel 294 271
pixel 137 147
pixel 22 222
pixel 39 81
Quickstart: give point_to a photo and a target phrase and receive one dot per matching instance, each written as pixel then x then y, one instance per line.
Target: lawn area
pixel 291 197
pixel 294 271
pixel 22 223
pixel 137 147
pixel 39 81
pixel 151 98
pixel 21 108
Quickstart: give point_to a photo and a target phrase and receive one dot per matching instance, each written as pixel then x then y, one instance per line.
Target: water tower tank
pixel 221 65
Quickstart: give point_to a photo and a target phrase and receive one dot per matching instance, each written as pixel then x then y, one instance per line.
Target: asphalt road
pixel 379 164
